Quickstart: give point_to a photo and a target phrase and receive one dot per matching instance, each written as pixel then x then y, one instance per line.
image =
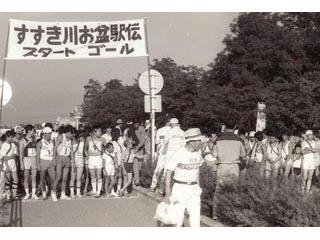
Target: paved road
pixel 136 211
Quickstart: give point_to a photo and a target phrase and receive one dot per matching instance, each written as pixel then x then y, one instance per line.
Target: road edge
pixel 208 222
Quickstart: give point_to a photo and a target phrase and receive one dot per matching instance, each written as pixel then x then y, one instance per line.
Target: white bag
pixel 166 213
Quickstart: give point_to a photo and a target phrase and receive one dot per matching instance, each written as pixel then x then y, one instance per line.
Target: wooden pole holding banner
pixel 151 92
pixel 4 74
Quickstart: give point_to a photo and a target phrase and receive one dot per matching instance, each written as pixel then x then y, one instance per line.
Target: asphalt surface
pixel 135 211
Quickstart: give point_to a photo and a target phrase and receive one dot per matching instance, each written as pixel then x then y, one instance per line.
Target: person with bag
pixel 184 166
pixel 287 149
pixel 273 159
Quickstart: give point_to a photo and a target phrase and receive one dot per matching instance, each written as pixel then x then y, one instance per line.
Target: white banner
pixel 261 117
pixel 72 40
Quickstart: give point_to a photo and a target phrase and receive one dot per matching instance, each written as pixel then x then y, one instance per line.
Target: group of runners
pixel 88 161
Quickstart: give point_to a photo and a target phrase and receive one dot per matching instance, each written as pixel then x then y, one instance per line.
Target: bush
pixel 253 201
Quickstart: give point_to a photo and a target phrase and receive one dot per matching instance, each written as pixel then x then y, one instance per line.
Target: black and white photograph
pixel 159 119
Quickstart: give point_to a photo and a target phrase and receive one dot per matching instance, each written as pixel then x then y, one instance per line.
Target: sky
pixel 44 90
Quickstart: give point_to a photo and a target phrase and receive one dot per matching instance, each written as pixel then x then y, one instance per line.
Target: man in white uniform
pixel 161 139
pixel 176 138
pixel 185 167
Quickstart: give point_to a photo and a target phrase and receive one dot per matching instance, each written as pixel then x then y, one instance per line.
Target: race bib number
pixel 32 152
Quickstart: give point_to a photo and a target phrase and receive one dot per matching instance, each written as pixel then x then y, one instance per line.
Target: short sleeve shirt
pixel 185 165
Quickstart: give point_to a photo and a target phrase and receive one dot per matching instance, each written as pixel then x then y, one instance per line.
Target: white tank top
pixel 46 151
pixel 285 150
pixel 273 151
pixel 95 147
pixel 64 149
pixel 78 150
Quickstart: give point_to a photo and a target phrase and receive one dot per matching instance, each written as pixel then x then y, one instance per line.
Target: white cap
pixel 174 121
pixel 309 132
pixel 193 134
pixel 47 130
pixel 251 134
pixel 236 132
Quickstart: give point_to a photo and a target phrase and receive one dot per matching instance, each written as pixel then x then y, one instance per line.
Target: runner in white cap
pixel 161 139
pixel 94 149
pixel 45 162
pixel 185 167
pixel 28 161
pixel 309 162
pixel 176 138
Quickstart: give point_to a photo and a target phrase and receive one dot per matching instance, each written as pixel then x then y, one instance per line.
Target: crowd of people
pixel 64 162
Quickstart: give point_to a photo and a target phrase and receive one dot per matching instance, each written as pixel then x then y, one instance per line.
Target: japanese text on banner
pixel 66 40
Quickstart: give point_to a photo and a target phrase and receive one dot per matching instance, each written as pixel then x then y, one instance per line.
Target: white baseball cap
pixel 174 121
pixel 251 134
pixel 47 130
pixel 309 132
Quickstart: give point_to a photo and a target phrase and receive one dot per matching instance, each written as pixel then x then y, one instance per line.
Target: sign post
pixel 151 83
pixel 261 117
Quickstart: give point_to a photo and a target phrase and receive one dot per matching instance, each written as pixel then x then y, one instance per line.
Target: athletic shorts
pixel 308 164
pixel 10 166
pixel 46 165
pixel 109 169
pixel 128 167
pixel 30 163
pixel 79 162
pixel 296 171
pixel 270 166
pixel 95 162
pixel 63 161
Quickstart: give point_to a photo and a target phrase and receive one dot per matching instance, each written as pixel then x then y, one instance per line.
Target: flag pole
pixel 151 93
pixel 4 74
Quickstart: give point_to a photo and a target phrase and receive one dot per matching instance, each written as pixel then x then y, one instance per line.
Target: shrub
pixel 254 201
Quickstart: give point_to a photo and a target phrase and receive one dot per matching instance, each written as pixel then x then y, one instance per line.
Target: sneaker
pixel 79 195
pixel 35 197
pixel 91 193
pixel 97 195
pixel 54 197
pixel 44 196
pixel 65 197
pixel 27 197
pixel 72 195
pixel 114 194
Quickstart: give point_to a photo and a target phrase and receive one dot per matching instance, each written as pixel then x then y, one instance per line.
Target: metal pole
pixel 151 93
pixel 4 74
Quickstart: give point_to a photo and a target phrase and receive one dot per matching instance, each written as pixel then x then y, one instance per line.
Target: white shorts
pixel 109 169
pixel 79 162
pixel 95 162
pixel 308 164
pixel 10 166
pixel 30 163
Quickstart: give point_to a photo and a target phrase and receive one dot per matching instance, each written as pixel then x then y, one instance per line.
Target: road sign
pixel 157 79
pixel 157 103
pixel 7 93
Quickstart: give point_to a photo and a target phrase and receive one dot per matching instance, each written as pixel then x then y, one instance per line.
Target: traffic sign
pixel 155 77
pixel 7 92
pixel 157 103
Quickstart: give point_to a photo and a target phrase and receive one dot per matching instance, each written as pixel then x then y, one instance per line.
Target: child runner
pixel 127 166
pixel 118 149
pixel 109 165
pixel 309 162
pixel 94 149
pixel 9 153
pixel 297 159
pixel 28 161
pixel 77 164
pixel 45 161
